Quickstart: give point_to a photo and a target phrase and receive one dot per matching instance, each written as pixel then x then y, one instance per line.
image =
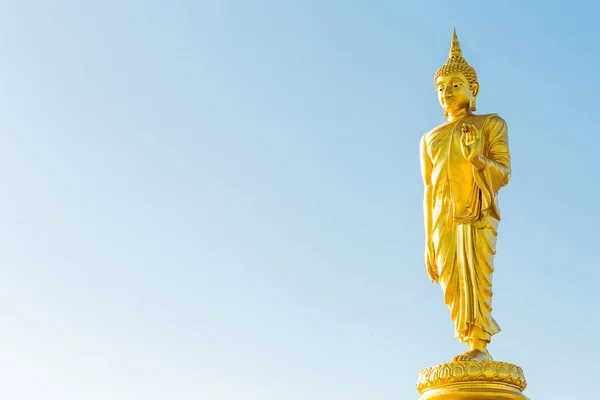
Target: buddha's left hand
pixel 470 145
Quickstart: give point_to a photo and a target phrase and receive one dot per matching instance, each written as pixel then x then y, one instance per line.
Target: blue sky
pixel 222 199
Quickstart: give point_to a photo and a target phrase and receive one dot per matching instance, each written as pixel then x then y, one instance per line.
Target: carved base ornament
pixel 472 380
pixel 465 161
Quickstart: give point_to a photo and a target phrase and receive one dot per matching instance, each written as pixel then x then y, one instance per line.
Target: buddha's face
pixel 454 92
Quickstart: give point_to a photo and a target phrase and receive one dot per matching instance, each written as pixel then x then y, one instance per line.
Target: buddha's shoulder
pixel 488 117
pixel 481 119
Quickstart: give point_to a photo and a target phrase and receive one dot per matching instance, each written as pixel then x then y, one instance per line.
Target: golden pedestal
pixel 472 380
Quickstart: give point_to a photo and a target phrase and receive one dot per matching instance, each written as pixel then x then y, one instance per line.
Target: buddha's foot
pixel 474 355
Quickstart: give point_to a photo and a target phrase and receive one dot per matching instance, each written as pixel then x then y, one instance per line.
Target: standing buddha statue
pixel 464 162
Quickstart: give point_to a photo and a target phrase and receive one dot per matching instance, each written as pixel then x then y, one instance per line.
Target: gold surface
pixel 483 391
pixel 472 380
pixel 464 162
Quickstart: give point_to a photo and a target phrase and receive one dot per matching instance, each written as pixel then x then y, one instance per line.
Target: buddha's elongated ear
pixel 475 88
pixel 473 99
pixel 473 103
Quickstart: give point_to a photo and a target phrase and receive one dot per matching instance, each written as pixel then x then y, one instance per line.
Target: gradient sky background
pixel 222 200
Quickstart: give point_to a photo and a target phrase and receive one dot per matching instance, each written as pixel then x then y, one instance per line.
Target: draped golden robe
pixel 463 218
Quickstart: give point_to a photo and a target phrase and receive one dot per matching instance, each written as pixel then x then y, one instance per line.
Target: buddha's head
pixel 456 82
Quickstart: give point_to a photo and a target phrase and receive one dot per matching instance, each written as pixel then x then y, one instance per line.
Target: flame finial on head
pixel 456 63
pixel 455 50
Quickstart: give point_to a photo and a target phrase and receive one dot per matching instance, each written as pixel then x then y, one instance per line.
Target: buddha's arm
pixel 427 210
pixel 426 168
pixel 497 155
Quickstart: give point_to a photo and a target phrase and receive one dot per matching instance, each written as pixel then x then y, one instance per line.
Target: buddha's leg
pixel 477 340
pixel 476 249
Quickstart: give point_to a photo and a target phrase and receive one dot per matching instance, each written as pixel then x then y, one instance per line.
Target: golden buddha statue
pixel 464 161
